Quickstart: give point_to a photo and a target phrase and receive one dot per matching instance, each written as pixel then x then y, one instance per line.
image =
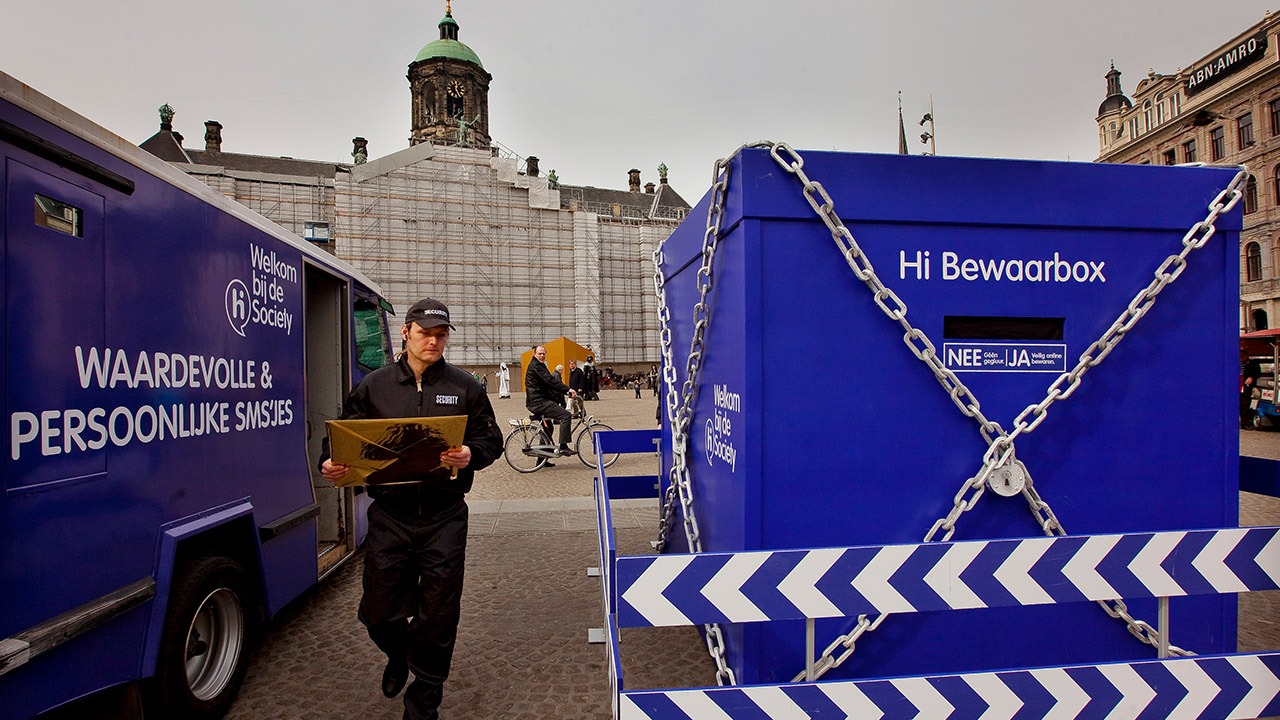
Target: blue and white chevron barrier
pixel 846 582
pixel 1221 687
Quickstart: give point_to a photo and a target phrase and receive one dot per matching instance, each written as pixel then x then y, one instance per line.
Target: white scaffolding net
pixel 515 269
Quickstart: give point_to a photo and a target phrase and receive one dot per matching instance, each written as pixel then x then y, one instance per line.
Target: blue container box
pixel 815 425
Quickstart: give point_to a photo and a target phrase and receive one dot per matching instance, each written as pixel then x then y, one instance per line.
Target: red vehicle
pixel 1263 346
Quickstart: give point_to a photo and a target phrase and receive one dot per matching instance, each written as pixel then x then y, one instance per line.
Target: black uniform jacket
pixel 541 385
pixel 392 392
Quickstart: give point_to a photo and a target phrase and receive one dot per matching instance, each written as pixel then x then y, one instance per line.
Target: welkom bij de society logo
pixel 718 436
pixel 265 299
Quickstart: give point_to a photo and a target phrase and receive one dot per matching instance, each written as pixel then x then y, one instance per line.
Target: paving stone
pixel 522 646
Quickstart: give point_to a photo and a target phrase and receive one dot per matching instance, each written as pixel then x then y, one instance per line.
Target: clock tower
pixel 450 91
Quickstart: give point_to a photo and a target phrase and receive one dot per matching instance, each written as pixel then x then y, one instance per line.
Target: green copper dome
pixel 448 46
pixel 450 49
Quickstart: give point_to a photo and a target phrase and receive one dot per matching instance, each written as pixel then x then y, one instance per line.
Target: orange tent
pixel 559 352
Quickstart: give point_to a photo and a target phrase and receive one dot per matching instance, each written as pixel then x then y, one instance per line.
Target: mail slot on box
pixel 816 424
pixel 1003 344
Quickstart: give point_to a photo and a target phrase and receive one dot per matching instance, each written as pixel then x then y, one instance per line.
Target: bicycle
pixel 528 446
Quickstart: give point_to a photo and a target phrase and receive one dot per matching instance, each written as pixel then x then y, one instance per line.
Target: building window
pixel 1133 128
pixel 1259 319
pixel 1189 151
pixel 1175 104
pixel 1250 195
pixel 1217 144
pixel 1146 114
pixel 1159 108
pixel 58 216
pixel 1114 134
pixel 1170 157
pixel 1274 108
pixel 1245 127
pixel 318 232
pixel 1252 262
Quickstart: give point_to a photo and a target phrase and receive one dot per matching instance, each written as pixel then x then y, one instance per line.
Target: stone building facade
pixel 1224 107
pixel 520 258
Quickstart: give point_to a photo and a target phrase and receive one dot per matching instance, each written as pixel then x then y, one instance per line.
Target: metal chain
pixel 1115 608
pixel 1000 450
pixel 680 405
pixel 1194 239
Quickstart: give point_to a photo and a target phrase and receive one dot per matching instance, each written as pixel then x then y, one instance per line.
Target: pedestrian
pixel 578 384
pixel 504 381
pixel 636 384
pixel 544 395
pixel 591 379
pixel 415 549
pixel 1250 371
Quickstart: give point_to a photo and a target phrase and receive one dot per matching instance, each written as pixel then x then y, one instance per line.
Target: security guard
pixel 416 546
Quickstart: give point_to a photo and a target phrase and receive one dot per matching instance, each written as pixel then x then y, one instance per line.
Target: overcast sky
pixel 594 87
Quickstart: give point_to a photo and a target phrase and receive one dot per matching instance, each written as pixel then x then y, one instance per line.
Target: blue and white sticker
pixel 1005 357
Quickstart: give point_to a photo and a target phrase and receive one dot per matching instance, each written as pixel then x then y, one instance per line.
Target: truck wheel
pixel 1257 422
pixel 204 648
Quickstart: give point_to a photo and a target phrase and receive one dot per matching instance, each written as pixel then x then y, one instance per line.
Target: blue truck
pixel 169 360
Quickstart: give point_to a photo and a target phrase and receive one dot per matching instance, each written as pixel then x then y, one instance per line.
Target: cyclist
pixel 544 395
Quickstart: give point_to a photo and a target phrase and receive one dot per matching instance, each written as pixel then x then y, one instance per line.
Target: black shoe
pixel 565 451
pixel 394 677
pixel 548 464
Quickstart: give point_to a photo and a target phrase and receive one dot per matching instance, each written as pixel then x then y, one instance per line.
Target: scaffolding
pixel 516 269
pixel 290 201
pixel 518 262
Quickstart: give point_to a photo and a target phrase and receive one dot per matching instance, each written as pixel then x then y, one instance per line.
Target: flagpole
pixel 933 129
pixel 928 137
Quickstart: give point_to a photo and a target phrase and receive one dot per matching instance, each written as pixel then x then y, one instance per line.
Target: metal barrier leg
pixel 1163 621
pixel 808 655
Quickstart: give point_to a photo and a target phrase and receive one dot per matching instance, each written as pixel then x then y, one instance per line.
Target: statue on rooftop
pixel 166 116
pixel 463 126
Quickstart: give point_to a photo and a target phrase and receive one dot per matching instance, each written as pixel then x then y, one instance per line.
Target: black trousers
pixel 557 413
pixel 413 570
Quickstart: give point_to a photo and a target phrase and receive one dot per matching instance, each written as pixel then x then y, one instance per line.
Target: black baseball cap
pixel 428 313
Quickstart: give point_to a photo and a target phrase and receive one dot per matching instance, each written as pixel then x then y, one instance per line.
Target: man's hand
pixel 456 458
pixel 333 472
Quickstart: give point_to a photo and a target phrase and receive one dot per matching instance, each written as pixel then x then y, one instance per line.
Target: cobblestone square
pixel 522 648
